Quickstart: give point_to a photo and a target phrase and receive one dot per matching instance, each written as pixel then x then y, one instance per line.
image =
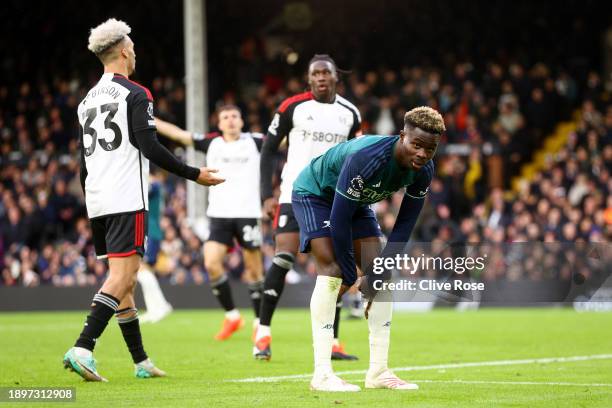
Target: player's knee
pixel 253 265
pixel 287 245
pixel 329 267
pixel 214 268
pixel 254 275
pixel 120 283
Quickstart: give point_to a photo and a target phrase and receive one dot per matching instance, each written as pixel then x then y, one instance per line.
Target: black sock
pixel 221 289
pixel 274 285
pixel 337 319
pixel 130 328
pixel 255 290
pixel 102 309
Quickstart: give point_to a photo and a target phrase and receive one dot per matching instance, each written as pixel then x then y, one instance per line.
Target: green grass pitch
pixel 201 370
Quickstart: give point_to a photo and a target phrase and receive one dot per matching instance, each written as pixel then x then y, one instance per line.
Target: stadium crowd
pixel 495 119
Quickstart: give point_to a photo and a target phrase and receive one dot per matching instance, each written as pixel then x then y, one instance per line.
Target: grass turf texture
pixel 32 346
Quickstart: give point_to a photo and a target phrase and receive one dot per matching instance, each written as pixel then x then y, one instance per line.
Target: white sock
pixel 262 331
pixel 146 363
pixel 153 296
pixel 379 323
pixel 233 314
pixel 322 312
pixel 82 352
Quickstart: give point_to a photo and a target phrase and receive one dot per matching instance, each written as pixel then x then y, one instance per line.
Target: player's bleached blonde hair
pixel 103 37
pixel 425 118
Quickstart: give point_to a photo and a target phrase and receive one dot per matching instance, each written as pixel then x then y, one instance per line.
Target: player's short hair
pixel 322 57
pixel 228 107
pixel 326 58
pixel 425 118
pixel 106 35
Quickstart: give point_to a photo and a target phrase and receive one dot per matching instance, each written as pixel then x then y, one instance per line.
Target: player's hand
pixel 367 290
pixel 206 178
pixel 269 207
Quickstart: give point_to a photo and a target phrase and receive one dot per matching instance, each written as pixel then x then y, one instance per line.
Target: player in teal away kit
pixel 331 199
pixel 155 301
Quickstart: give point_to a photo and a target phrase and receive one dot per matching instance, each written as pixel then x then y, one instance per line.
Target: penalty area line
pixel 495 363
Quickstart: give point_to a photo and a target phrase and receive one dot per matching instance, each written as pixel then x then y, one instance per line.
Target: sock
pixel 379 323
pixel 130 328
pixel 322 305
pixel 337 319
pixel 262 331
pixel 221 289
pixel 255 290
pixel 153 296
pixel 233 314
pixel 103 307
pixel 82 352
pixel 274 285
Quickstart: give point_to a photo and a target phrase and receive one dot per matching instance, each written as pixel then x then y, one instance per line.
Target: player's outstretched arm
pixel 208 178
pixel 145 135
pixel 158 154
pixel 173 132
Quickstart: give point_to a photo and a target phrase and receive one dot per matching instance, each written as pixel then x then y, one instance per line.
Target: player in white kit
pixel 234 208
pixel 117 135
pixel 312 122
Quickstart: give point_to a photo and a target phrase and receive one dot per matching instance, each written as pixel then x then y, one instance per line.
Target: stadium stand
pixel 499 110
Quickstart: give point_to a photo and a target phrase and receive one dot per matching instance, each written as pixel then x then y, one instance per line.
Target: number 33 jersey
pixel 117 178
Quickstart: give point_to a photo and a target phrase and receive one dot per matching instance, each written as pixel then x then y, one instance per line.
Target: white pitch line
pixel 441 366
pixel 514 383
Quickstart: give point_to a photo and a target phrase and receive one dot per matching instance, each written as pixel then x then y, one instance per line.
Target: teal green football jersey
pixel 362 170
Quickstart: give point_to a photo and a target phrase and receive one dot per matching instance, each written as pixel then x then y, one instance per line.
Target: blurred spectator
pixel 490 109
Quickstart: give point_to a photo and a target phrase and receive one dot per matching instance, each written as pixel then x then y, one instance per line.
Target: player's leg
pixel 253 273
pixel 215 249
pixel 338 352
pixel 249 238
pixel 367 246
pixel 322 310
pixel 104 304
pixel 127 317
pixel 248 234
pixel 253 268
pixel 157 305
pixel 312 214
pixel 286 243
